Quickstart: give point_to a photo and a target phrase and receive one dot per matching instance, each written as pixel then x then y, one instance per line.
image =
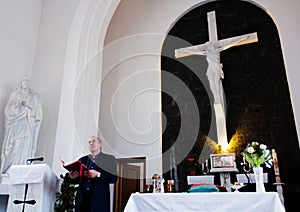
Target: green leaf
pixel 66 197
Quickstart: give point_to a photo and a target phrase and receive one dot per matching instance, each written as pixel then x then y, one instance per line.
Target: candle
pixel 276 168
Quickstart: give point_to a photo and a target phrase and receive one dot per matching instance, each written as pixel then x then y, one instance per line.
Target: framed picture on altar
pixel 223 163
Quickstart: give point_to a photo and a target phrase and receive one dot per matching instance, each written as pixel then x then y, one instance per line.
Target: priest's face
pixel 95 145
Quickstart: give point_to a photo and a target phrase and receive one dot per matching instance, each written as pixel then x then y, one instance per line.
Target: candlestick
pixel 277 176
pixel 276 168
pixel 246 166
pixel 205 168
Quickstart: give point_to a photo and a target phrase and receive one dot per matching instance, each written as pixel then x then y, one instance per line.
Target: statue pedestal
pixel 42 187
pixel 4 193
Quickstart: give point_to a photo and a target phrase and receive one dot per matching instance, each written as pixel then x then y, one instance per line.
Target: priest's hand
pixel 93 173
pixel 73 175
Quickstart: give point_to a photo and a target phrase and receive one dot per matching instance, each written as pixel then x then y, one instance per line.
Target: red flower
pixel 192 163
pixel 190 159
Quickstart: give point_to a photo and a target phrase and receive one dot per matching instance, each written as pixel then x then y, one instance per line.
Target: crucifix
pixel 211 49
pixel 24 201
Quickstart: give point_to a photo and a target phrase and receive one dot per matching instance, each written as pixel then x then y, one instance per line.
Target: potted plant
pixel 192 165
pixel 66 196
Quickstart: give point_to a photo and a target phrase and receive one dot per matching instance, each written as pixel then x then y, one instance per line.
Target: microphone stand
pixel 246 168
pixel 24 201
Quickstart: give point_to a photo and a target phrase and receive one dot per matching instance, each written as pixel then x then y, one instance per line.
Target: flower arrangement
pixel 192 164
pixel 256 154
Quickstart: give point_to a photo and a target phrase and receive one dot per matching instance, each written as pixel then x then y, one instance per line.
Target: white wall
pixel 80 95
pixel 55 23
pixel 131 96
pixel 54 39
pixel 285 15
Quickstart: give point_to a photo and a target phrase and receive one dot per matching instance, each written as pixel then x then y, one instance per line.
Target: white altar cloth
pixel 206 202
pixel 42 187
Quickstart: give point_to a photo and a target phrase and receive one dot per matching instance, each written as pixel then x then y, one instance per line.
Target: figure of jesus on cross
pixel 211 49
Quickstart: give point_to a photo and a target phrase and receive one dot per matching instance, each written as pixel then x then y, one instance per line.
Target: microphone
pixel 30 160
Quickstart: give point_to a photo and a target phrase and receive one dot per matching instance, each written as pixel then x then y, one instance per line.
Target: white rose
pixel 262 146
pixel 250 149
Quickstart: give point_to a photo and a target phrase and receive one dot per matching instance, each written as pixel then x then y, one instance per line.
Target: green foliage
pixel 256 154
pixel 192 164
pixel 66 197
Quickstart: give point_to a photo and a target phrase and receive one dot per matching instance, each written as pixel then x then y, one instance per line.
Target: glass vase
pixel 258 173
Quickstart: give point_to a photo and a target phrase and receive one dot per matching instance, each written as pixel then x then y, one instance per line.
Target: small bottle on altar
pixel 170 186
pixel 161 184
pixel 158 184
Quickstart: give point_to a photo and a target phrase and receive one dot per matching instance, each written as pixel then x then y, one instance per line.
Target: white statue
pixel 212 49
pixel 23 117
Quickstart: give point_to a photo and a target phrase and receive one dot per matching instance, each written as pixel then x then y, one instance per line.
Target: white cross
pixel 211 50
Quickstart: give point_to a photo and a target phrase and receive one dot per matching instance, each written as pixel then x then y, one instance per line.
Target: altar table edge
pixel 207 202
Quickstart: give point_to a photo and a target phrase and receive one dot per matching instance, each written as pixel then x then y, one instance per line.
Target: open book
pixel 76 166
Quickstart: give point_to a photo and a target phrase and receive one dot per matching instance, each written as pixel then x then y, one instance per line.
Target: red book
pixel 77 166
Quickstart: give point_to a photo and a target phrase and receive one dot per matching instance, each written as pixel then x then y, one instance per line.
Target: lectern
pixel 41 185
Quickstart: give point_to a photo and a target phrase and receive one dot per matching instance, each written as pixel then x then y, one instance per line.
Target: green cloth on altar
pixel 203 188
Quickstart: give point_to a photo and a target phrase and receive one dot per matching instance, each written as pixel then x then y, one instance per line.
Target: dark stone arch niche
pixel 256 89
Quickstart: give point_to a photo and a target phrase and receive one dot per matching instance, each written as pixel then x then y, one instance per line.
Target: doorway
pixel 131 172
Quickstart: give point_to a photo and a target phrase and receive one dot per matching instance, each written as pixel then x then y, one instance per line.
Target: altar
pixel 214 201
pixel 36 183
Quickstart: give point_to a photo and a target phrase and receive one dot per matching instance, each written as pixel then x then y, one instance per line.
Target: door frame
pixel 135 161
